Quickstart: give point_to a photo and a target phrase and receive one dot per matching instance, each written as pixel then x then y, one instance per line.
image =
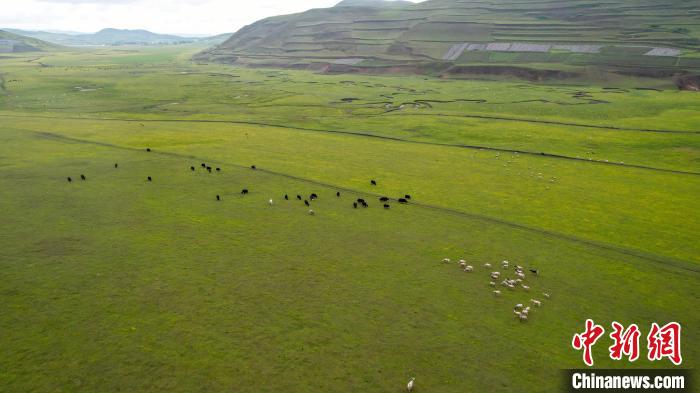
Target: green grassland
pixel 120 284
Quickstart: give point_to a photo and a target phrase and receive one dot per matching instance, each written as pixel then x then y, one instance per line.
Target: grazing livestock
pixel 535 272
pixel 525 287
pixel 244 191
pixel 313 196
pixel 306 202
pixel 545 294
pixel 469 269
pixel 536 302
pixel 192 168
pixel 360 200
pixel 387 206
pixel 148 149
pixel 149 178
pixel 491 283
pixel 497 293
pixel 204 165
pixel 218 169
pixel 407 196
pixel 410 384
pixel 364 204
pixel 253 167
pixel 209 169
pixel 403 200
pixel 82 177
pixel 116 165
pixel 354 205
pixel 298 197
pixel 69 180
pixel 218 198
pixel 270 202
pixel 446 260
pixel 487 265
pixel 337 194
pixel 495 275
pixel 286 197
pixel 373 182
pixel 312 213
pixel 383 199
pixel 462 263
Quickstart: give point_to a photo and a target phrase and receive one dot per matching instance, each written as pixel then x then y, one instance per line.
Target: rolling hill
pixel 534 39
pixel 12 43
pixel 117 37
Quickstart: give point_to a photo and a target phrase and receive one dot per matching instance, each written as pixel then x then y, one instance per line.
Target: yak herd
pixel 360 202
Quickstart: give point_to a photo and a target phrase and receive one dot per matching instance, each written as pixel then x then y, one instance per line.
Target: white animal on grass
pixel 469 268
pixel 545 294
pixel 410 384
pixel 536 302
pixel 493 284
pixel 270 202
pixel 446 260
pixel 525 287
pixel 312 213
pixel 497 293
pixel 519 305
pixel 462 264
pixel 462 261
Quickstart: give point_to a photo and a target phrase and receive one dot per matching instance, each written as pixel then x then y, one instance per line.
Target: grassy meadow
pixel 120 284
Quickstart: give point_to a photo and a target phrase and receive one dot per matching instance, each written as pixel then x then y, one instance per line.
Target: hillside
pixel 112 37
pixel 563 37
pixel 12 43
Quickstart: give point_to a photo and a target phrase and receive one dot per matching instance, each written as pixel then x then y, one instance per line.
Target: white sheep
pixel 493 284
pixel 536 302
pixel 545 294
pixel 410 384
pixel 497 293
pixel 525 287
pixel 446 260
pixel 312 213
pixel 469 268
pixel 487 265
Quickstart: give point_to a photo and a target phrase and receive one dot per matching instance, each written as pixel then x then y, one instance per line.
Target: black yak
pixel 244 191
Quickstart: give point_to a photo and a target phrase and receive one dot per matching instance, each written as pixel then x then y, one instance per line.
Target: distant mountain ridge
pixel 111 36
pixel 13 43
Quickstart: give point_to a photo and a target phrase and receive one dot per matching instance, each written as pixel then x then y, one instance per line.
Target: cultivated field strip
pixel 662 261
pixel 370 135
